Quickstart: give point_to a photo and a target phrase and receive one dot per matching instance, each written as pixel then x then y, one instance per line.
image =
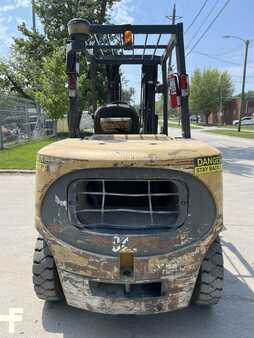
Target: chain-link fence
pixel 21 120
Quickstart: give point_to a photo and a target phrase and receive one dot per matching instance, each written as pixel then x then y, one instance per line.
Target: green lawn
pixel 23 156
pixel 243 127
pixel 175 124
pixel 243 134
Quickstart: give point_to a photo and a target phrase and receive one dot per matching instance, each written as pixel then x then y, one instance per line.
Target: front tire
pixel 209 285
pixel 46 282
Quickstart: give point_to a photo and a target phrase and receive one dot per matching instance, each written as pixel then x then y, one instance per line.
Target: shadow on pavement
pixel 232 157
pixel 235 252
pixel 232 317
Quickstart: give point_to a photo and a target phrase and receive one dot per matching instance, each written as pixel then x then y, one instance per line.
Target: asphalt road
pixel 232 317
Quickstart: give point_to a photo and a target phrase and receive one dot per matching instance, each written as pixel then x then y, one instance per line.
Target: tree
pixel 55 15
pixel 51 93
pixel 10 81
pixel 248 95
pixel 34 55
pixel 127 95
pixel 208 90
pixel 172 112
pixel 20 71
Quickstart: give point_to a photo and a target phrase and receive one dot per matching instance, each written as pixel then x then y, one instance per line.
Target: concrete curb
pixel 16 171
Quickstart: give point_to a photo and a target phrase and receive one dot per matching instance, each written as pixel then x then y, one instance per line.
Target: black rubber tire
pixel 46 282
pixel 209 286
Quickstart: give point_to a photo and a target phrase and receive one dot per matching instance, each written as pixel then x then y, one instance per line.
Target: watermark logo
pixel 15 315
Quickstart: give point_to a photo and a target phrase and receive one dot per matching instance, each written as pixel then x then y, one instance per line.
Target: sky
pixel 211 51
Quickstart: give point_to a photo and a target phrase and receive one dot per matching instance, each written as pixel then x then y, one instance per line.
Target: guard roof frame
pixel 95 44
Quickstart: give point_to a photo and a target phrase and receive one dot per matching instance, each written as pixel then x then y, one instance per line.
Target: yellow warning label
pixel 208 164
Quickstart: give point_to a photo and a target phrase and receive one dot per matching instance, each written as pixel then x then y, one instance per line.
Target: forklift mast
pixel 116 45
pixel 149 120
pixel 114 83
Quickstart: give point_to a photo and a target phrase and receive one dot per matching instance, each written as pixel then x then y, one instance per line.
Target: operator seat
pixel 116 118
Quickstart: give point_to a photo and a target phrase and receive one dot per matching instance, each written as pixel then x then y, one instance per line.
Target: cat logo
pixel 208 164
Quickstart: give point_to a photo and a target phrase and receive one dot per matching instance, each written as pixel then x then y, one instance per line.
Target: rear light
pixel 128 39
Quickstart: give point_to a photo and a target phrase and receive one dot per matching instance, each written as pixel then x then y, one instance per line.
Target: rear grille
pixel 127 204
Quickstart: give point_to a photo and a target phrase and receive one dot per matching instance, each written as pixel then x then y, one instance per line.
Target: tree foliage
pixel 172 112
pixel 208 89
pixel 36 66
pixel 52 94
pixel 248 95
pixel 55 15
pixel 127 95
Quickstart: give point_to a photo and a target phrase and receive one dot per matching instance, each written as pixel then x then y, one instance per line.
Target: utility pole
pixel 77 7
pixel 33 16
pixel 247 42
pixel 173 18
pixel 1 138
pixel 221 103
pixel 174 15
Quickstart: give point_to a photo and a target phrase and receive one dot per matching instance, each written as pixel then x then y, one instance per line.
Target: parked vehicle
pixel 195 118
pixel 247 120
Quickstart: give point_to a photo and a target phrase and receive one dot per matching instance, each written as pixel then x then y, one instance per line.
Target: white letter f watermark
pixel 15 315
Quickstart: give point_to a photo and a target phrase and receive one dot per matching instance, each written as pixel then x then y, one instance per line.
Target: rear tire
pixel 209 285
pixel 46 282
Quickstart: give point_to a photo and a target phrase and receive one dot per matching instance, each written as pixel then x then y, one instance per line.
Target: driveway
pixel 232 317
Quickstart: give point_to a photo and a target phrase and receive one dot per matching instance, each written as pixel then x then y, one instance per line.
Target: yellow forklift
pixel 129 218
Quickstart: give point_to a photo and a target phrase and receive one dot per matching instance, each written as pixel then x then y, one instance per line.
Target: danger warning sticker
pixel 207 164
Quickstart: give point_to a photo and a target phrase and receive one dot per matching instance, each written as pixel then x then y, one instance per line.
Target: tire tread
pixel 45 277
pixel 209 286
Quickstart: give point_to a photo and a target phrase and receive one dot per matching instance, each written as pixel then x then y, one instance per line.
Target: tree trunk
pixel 103 11
pixel 17 88
pixel 206 118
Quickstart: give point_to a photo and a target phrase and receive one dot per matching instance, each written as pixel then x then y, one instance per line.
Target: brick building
pixel 232 113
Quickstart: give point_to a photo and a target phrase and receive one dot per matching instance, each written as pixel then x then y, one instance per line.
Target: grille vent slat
pixel 127 210
pixel 132 195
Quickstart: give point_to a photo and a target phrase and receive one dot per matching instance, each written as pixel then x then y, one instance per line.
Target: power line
pixel 209 26
pixel 219 59
pixel 249 82
pixel 202 23
pixel 240 76
pixel 33 16
pixel 232 51
pixel 216 58
pixel 196 16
